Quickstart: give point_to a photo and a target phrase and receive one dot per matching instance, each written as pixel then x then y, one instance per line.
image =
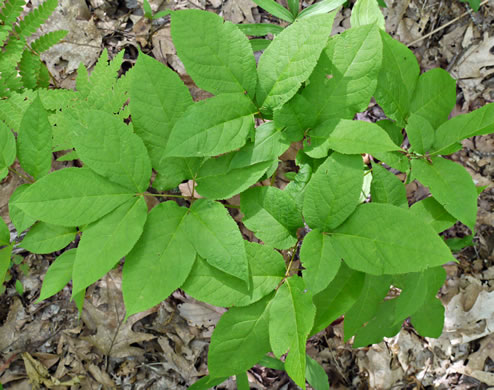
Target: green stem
pixel 21 175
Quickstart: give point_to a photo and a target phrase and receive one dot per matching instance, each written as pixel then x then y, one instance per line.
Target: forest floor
pixel 48 345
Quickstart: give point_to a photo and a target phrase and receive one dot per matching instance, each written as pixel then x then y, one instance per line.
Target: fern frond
pixel 9 59
pixel 82 81
pixel 44 76
pixel 4 90
pixel 34 19
pixel 4 34
pixel 29 68
pixel 12 109
pixel 46 41
pixel 11 11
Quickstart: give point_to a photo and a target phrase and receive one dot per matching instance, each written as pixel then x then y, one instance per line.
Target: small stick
pixel 443 26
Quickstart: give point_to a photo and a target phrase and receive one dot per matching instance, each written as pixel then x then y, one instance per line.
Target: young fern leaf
pixel 33 20
pixel 29 68
pixel 11 11
pixel 46 41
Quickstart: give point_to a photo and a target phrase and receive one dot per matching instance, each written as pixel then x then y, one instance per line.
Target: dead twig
pixel 443 26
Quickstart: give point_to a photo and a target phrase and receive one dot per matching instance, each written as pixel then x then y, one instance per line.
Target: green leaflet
pixel 4 233
pixel 340 295
pixel 240 339
pixel 206 383
pixel 209 284
pixel 367 12
pixel 213 126
pixel 289 60
pixel 34 140
pixel 259 29
pixel 357 137
pixel 290 320
pixel 7 146
pixel 44 42
pixel 293 6
pixel 333 192
pixel 433 214
pixel 400 70
pixel 396 160
pixel 341 85
pixel 218 179
pixel 156 110
pixel 463 126
pixel 451 185
pixel 230 174
pixel 46 238
pixel 272 215
pixel 110 148
pixel 320 261
pixel 58 275
pixel 418 292
pixel 373 292
pixel 429 319
pixel 434 97
pixel 71 197
pixel 160 261
pixel 316 376
pixel 18 217
pixel 420 133
pixel 5 254
pixel 387 188
pixel 394 131
pixel 385 239
pixel 216 54
pixel 106 241
pixel 216 237
pixel 321 7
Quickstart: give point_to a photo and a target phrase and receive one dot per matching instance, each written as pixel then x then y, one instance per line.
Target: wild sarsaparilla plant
pixel 307 86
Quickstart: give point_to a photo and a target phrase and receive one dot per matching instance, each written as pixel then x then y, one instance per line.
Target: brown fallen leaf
pixel 38 374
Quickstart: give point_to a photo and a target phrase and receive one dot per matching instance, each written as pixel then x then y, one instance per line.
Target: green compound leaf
pixel 7 146
pixel 387 188
pixel 290 320
pixel 275 9
pixel 373 292
pixel 367 12
pixel 385 239
pixel 216 54
pixel 340 295
pixel 208 284
pixel 18 217
pixel 160 261
pixel 357 137
pixel 174 170
pixel 213 126
pixel 47 238
pixel 420 133
pixel 156 110
pixel 44 42
pixel 435 215
pixel 58 275
pixel 34 140
pixel 333 192
pixel 316 376
pixel 451 185
pixel 206 383
pixel 272 215
pixel 320 261
pixel 110 148
pixel 434 97
pixel 463 126
pixel 216 237
pixel 341 85
pixel 4 233
pixel 106 241
pixel 401 70
pixel 290 58
pixel 71 197
pixel 240 339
